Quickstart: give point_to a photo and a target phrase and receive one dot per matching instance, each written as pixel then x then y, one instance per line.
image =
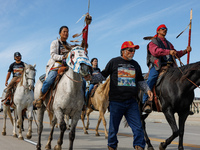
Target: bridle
pixel 182 71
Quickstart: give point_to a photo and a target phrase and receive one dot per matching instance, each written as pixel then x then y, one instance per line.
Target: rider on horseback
pixel 92 85
pixel 160 52
pixel 58 50
pixel 16 69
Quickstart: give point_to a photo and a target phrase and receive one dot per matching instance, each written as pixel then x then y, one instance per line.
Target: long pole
pixel 189 38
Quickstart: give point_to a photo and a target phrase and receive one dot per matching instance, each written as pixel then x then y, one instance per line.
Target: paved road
pixel 157 128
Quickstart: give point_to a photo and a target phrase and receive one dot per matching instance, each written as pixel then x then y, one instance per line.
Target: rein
pixel 74 80
pixel 182 71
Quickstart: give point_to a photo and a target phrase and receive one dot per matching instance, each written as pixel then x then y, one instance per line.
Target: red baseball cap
pixel 129 44
pixel 161 26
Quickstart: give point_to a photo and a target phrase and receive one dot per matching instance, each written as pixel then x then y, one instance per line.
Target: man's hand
pixel 88 77
pixel 188 49
pixel 150 94
pixel 172 52
pixel 6 83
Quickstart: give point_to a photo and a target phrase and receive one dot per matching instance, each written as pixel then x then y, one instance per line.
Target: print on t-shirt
pixel 126 75
pixel 17 70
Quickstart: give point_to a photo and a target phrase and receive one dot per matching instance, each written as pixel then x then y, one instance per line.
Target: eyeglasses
pixel 163 28
pixel 131 50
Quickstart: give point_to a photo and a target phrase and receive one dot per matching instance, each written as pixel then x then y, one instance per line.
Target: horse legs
pixel 19 122
pixel 149 145
pixel 60 116
pixel 40 114
pixel 88 114
pixel 182 119
pixel 5 109
pixel 82 119
pixel 169 115
pixel 14 123
pixel 67 121
pixel 30 120
pixel 101 115
pixel 75 119
pixel 53 123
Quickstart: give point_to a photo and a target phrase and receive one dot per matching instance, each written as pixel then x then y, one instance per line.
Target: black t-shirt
pixel 94 72
pixel 16 68
pixel 124 76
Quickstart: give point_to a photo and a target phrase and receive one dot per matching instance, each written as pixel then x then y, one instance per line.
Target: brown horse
pixel 100 103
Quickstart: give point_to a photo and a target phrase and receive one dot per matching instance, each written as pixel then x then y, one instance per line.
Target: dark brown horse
pixel 176 94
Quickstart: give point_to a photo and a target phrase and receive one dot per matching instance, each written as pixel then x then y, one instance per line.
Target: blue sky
pixel 30 26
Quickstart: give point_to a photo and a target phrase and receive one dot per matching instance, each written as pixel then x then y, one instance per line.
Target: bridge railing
pixel 195 107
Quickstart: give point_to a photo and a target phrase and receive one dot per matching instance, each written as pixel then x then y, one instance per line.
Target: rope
pixel 182 71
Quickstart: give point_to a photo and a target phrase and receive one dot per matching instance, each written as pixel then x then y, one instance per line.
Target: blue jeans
pixel 89 91
pixel 153 75
pixel 130 110
pixel 49 81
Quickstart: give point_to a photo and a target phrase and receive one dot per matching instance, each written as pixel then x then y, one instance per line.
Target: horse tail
pixel 9 114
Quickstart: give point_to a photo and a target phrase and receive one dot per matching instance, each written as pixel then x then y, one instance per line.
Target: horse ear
pixel 34 65
pixel 25 65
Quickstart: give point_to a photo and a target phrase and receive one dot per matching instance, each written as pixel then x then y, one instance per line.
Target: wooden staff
pixel 189 38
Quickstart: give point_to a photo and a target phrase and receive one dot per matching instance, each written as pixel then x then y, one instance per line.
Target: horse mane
pixel 187 70
pixel 26 66
pixel 104 88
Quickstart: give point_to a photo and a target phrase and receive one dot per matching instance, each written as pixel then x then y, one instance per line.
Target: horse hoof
pixel 29 136
pixel 21 138
pixel 22 129
pixel 106 137
pixel 48 147
pixel 161 147
pixel 150 148
pixel 86 128
pixel 17 126
pixel 3 133
pixel 57 147
pixel 15 135
pixel 97 134
pixel 85 132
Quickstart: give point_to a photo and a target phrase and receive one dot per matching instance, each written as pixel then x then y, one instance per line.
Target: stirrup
pixel 138 148
pixel 38 103
pixel 110 148
pixel 147 108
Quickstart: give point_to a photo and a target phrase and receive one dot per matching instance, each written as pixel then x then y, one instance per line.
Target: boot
pixel 110 148
pixel 38 102
pixel 138 148
pixel 147 108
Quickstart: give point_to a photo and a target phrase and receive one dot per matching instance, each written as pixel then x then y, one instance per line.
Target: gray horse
pixel 68 98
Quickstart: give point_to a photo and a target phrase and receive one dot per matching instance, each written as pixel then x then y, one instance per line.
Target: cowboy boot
pixel 110 148
pixel 147 108
pixel 38 102
pixel 138 148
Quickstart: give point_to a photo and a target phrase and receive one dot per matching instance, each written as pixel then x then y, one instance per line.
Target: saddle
pixel 11 95
pixel 94 90
pixel 61 71
pixel 156 100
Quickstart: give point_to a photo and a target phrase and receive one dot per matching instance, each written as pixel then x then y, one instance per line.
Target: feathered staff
pixel 189 37
pixel 84 33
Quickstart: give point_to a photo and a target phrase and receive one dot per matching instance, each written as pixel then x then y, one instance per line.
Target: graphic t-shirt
pixel 94 72
pixel 124 76
pixel 16 69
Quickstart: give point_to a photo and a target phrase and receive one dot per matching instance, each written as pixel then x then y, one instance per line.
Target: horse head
pixel 29 74
pixel 78 61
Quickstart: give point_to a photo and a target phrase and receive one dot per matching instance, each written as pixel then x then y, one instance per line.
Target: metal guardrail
pixel 195 107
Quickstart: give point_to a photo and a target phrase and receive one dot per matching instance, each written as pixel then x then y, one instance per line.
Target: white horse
pixel 68 98
pixel 23 99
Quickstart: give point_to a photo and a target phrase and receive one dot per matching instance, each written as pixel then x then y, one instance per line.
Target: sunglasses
pixel 163 28
pixel 131 50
